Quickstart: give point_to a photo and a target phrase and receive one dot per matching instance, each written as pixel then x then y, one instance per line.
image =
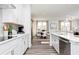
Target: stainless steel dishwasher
pixel 64 46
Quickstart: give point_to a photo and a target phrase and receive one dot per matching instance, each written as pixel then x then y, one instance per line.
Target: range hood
pixel 7 6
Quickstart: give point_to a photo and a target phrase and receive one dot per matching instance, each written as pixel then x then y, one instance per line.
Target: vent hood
pixel 7 6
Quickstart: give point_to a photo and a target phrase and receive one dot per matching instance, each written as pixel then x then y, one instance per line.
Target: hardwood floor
pixel 41 47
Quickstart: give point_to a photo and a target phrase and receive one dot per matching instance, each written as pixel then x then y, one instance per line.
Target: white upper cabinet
pixel 7 6
pixel 9 15
pixel 54 41
pixel 19 13
pixel 12 15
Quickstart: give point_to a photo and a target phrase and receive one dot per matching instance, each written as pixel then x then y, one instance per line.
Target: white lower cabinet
pixel 25 43
pixel 74 48
pixel 55 42
pixel 9 51
pixel 18 49
pixel 16 46
pixel 7 48
pixel 21 45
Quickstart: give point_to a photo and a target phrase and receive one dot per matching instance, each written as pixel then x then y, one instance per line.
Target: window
pixel 65 26
pixel 41 25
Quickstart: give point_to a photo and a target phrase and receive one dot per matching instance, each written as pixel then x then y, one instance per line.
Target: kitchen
pixel 16 28
pixel 63 26
pixel 15 35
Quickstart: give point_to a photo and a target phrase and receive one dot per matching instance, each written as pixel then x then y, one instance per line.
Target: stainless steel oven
pixel 64 46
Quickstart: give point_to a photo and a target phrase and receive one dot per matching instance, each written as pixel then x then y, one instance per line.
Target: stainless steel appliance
pixel 64 46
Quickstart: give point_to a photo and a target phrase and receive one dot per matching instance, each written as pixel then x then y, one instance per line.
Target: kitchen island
pixel 16 45
pixel 65 43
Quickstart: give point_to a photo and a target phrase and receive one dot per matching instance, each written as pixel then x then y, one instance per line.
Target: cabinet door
pixel 9 15
pixel 24 43
pixel 21 45
pixel 7 47
pixel 18 49
pixel 55 42
pixel 55 39
pixel 9 52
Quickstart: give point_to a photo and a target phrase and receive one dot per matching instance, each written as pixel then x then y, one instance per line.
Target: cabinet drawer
pixel 6 46
pixel 10 51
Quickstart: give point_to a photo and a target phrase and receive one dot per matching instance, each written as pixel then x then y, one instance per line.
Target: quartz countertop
pixel 69 36
pixel 5 39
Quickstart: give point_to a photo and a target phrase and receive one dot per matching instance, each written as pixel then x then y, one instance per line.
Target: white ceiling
pixel 53 10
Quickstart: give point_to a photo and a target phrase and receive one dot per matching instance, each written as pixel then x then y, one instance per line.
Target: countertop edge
pixel 17 36
pixel 69 37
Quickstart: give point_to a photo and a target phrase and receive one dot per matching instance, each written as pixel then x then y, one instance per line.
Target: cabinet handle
pixel 12 52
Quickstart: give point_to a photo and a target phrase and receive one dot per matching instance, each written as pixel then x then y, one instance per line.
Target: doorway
pixel 40 46
pixel 41 29
pixel 40 32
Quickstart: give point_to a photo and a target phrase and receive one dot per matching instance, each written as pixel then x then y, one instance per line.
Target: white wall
pixel 53 25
